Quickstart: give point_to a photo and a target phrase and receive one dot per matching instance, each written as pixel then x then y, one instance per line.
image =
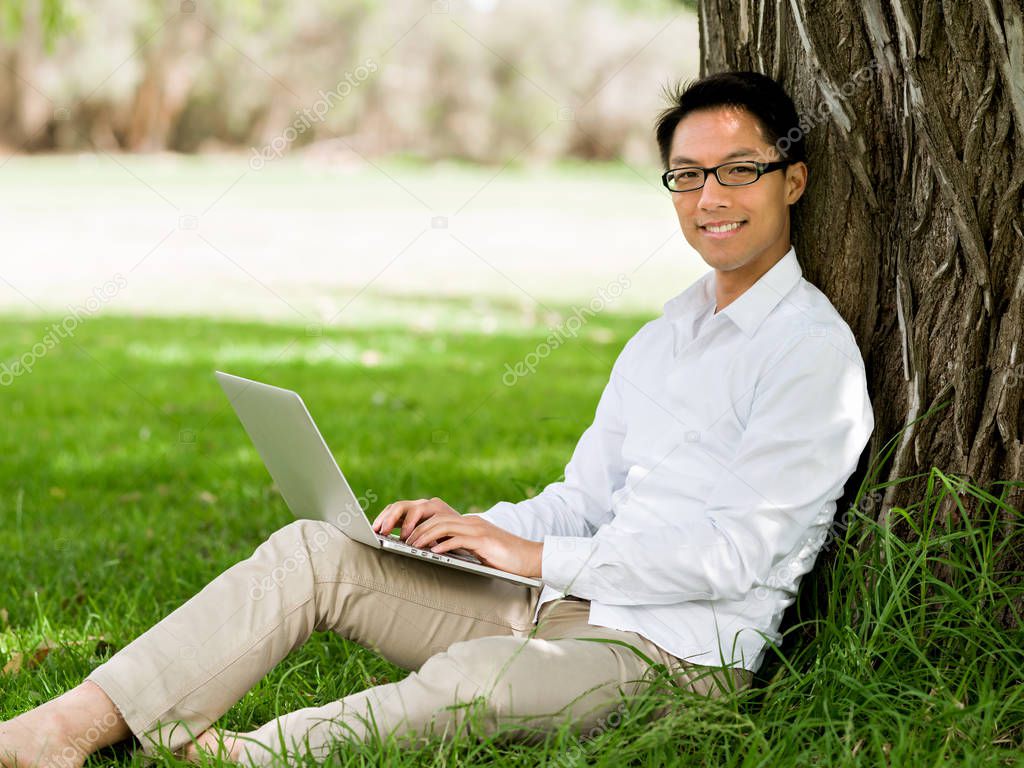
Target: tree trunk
pixel 911 223
pixel 168 75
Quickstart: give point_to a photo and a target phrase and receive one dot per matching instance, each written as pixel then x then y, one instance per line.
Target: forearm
pixel 555 511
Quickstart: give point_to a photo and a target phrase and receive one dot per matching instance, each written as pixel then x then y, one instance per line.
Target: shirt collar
pixel 749 309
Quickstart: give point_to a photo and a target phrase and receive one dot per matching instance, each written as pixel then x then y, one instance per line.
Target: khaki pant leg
pixel 523 687
pixel 568 619
pixel 177 678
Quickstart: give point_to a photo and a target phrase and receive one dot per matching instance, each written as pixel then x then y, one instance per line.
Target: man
pixel 690 510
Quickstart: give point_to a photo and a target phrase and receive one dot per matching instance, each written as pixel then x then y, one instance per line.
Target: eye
pixel 686 174
pixel 742 171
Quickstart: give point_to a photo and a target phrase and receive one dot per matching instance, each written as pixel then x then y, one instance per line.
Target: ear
pixel 796 182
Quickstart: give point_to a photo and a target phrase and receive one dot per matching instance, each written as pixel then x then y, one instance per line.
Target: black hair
pixel 761 96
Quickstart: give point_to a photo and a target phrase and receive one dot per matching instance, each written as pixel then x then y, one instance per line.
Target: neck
pixel 733 283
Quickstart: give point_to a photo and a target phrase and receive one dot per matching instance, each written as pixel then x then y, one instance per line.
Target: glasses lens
pixel 685 179
pixel 737 174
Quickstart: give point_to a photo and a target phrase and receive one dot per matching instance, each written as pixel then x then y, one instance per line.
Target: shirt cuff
pixel 564 560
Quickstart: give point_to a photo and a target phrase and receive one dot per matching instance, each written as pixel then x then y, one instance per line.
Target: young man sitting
pixel 690 510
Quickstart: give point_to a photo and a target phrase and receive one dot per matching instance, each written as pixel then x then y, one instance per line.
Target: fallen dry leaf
pixel 21 661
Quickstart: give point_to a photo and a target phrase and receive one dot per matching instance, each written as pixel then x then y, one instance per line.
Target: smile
pixel 723 230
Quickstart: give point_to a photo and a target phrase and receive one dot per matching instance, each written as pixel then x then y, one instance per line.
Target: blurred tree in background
pixel 481 80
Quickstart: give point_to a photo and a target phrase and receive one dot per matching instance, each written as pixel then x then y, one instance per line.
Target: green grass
pixel 127 483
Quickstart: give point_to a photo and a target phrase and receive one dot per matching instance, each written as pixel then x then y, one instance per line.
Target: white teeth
pixel 725 228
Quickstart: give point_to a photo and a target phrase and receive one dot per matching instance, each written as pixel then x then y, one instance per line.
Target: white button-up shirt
pixel 707 483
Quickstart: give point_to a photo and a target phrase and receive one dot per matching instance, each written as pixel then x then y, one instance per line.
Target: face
pixel 706 138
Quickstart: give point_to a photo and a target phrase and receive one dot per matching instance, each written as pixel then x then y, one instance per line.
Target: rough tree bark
pixel 912 221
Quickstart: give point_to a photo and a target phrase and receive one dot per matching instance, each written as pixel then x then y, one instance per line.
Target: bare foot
pixel 62 732
pixel 38 739
pixel 210 745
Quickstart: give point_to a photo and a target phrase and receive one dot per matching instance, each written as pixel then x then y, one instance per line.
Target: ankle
pixel 87 716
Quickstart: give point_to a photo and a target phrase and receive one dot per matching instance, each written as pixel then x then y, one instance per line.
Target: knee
pixel 315 543
pixel 313 534
pixel 490 688
pixel 480 669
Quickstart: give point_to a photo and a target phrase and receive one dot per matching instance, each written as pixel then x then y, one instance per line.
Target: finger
pixel 421 532
pixel 434 512
pixel 431 530
pixel 419 511
pixel 426 532
pixel 385 516
pixel 465 543
pixel 409 523
pixel 379 519
pixel 392 515
pixel 388 513
pixel 444 546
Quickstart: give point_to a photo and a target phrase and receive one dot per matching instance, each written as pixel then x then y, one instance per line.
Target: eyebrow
pixel 731 156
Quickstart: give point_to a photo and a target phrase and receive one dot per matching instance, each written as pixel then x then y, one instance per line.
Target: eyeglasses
pixel 735 174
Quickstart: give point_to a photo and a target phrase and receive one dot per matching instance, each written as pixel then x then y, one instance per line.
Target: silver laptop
pixel 310 480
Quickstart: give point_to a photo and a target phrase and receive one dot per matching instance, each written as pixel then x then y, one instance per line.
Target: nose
pixel 713 194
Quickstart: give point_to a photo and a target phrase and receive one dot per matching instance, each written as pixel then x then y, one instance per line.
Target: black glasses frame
pixel 762 169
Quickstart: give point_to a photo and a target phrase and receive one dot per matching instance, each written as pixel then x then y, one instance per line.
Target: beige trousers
pixel 469 638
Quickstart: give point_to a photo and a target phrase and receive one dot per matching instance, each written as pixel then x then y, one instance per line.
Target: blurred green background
pixel 258 160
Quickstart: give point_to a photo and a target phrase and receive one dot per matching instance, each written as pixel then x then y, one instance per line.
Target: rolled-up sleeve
pixel 809 421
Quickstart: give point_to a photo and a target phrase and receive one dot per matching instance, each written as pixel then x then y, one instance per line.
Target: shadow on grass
pixel 127 484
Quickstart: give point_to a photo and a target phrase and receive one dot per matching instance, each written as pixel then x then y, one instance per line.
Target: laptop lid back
pixel 296 455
